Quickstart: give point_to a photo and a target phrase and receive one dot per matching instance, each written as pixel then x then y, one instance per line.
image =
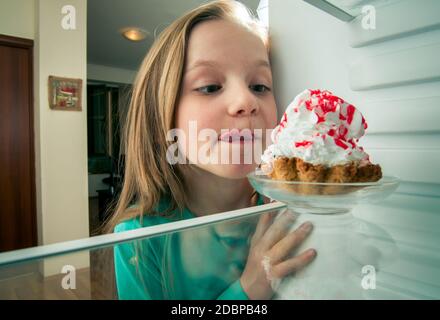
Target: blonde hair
pixel 148 176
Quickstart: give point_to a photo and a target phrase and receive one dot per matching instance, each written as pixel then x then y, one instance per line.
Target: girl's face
pixel 227 84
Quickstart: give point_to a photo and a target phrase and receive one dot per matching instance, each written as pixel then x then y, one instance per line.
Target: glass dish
pixel 323 198
pixel 349 249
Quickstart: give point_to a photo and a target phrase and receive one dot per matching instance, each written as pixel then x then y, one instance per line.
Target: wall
pixel 61 136
pixel 96 72
pixel 391 74
pixel 21 22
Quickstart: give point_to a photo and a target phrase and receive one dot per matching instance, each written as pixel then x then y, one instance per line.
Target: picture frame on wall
pixel 65 93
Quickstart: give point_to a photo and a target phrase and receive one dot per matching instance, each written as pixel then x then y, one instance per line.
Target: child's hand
pixel 269 255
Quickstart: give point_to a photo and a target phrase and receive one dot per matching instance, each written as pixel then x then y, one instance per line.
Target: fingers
pixel 263 224
pixel 294 264
pixel 285 246
pixel 267 200
pixel 278 229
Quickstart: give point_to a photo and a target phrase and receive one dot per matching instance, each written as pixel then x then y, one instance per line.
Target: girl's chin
pixel 233 171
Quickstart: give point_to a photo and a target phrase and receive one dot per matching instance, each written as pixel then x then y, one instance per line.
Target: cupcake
pixel 317 141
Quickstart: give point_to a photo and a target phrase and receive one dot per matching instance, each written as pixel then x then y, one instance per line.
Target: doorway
pixel 106 108
pixel 18 223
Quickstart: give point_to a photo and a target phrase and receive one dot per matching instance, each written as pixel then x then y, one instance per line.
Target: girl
pixel 210 67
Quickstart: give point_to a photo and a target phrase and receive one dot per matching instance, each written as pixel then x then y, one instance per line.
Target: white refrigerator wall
pixel 392 75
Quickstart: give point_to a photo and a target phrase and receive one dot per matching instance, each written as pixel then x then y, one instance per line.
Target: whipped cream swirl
pixel 319 128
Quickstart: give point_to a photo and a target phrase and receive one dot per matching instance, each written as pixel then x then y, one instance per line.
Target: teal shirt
pixel 199 263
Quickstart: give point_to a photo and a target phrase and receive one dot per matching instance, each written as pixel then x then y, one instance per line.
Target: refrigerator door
pixel 384 61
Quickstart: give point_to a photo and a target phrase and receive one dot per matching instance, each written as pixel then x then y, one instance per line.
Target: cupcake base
pixel 295 169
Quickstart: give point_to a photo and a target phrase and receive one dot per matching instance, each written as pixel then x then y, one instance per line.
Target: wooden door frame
pixel 28 44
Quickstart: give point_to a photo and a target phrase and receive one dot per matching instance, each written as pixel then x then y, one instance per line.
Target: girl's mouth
pixel 237 136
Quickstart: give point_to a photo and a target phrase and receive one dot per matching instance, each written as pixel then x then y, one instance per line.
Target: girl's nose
pixel 244 103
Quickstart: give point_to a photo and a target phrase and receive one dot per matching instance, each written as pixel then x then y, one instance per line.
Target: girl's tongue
pixel 237 135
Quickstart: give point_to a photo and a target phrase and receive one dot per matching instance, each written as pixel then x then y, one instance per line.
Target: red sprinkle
pixel 350 113
pixel 320 118
pixel 353 145
pixel 283 119
pixel 341 144
pixel 304 144
pixel 283 122
pixel 364 123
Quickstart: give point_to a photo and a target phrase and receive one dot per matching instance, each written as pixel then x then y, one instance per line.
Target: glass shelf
pixel 347 10
pixel 202 258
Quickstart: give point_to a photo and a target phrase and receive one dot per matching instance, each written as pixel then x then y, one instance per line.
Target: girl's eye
pixel 209 89
pixel 213 88
pixel 260 88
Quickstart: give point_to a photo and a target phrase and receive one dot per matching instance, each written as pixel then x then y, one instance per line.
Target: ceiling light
pixel 134 34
